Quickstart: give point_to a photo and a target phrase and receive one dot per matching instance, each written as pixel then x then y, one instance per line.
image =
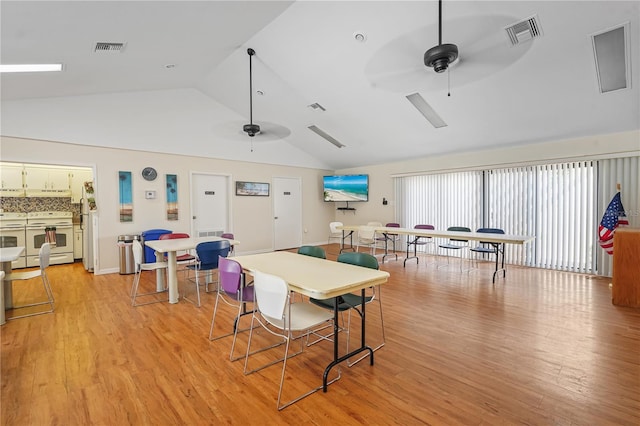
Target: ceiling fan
pixel 251 129
pixel 481 50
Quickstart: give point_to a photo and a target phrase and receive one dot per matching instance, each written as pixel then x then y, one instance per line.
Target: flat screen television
pixel 346 188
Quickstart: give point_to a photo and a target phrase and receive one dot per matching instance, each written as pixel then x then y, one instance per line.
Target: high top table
pixel 498 241
pixel 319 279
pixel 171 246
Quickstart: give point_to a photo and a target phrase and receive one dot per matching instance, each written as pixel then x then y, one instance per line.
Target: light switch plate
pixel 150 195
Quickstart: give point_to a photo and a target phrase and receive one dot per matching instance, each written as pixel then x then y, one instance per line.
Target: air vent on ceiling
pixel 109 47
pixel 524 30
pixel 317 106
pixel 326 136
pixel 613 60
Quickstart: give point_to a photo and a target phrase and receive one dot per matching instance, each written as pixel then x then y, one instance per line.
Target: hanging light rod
pixel 251 129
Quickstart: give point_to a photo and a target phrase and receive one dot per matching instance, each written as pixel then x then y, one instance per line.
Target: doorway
pixel 210 209
pixel 287 209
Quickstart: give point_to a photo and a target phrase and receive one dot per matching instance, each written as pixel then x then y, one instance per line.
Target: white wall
pixel 252 217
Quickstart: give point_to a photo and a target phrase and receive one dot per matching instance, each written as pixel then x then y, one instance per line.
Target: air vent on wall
pixel 109 47
pixel 326 136
pixel 524 30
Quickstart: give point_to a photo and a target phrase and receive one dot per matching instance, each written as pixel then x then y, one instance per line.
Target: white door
pixel 210 204
pixel 287 208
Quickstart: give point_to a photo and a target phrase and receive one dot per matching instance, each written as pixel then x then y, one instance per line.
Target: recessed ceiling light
pixel 360 36
pixel 30 67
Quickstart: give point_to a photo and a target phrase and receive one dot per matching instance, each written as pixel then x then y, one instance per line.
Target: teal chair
pixel 313 251
pixel 456 244
pixel 350 301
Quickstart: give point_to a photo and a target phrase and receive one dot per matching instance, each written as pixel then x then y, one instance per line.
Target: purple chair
pixel 233 292
pixel 417 240
pixel 389 237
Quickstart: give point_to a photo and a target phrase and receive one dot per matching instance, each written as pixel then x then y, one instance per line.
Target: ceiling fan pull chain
pixel 448 81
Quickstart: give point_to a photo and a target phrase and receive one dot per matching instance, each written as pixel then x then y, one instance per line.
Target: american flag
pixel 613 217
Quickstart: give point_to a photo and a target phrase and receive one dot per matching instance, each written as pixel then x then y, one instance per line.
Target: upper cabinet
pixel 12 184
pixel 78 178
pixel 47 182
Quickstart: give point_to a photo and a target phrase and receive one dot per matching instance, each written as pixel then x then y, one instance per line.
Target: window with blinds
pixel 555 203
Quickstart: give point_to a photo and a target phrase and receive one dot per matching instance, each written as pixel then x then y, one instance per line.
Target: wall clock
pixel 149 173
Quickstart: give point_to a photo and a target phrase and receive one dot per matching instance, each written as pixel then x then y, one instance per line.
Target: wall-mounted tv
pixel 346 188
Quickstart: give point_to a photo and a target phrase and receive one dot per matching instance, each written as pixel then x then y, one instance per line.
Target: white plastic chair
pixel 335 233
pixel 44 255
pixel 275 312
pixel 139 267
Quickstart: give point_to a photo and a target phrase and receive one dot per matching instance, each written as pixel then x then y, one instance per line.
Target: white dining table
pixel 171 247
pixel 319 279
pixel 7 255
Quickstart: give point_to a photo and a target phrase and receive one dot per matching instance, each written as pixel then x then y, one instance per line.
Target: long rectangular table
pixel 498 241
pixel 319 279
pixel 171 246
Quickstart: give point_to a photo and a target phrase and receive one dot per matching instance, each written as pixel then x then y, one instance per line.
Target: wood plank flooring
pixel 537 348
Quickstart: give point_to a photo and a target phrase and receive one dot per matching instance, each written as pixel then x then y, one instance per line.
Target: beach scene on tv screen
pixel 346 188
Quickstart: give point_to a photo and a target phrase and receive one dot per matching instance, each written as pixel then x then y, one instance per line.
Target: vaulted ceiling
pixel 181 82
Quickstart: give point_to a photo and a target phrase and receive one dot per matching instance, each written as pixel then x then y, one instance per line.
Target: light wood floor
pixel 536 348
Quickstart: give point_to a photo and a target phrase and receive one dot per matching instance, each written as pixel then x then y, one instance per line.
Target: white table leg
pixel 160 281
pixel 2 319
pixel 172 273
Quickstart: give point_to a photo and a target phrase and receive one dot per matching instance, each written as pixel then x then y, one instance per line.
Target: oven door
pixel 14 237
pixel 37 235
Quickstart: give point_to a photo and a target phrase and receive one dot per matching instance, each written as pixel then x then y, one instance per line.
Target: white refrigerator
pixel 88 224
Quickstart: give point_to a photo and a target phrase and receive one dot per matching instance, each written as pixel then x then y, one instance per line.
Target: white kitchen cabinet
pixel 11 179
pixel 44 181
pixel 78 178
pixel 77 242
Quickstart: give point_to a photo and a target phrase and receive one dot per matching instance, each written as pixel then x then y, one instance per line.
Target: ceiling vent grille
pixel 524 30
pixel 326 136
pixel 109 47
pixel 613 58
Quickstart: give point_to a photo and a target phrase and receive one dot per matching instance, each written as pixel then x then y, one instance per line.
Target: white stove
pixel 51 226
pixel 12 234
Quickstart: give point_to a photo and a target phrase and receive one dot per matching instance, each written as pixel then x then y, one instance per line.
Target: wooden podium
pixel 626 267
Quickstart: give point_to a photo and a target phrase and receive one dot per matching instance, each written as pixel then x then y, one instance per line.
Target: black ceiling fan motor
pixel 439 57
pixel 251 129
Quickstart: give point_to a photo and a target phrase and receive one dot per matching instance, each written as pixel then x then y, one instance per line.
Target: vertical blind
pixel 560 204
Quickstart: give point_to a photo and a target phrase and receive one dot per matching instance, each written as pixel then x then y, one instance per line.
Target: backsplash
pixel 40 204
